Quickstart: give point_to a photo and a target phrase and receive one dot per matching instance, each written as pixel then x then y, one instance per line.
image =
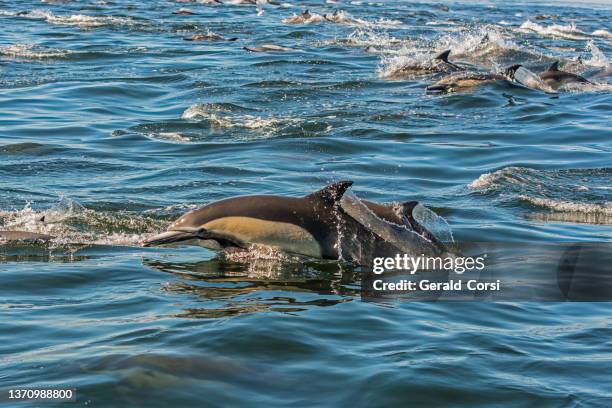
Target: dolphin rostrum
pixel 324 224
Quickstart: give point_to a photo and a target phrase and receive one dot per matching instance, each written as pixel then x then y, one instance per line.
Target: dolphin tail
pixel 408 214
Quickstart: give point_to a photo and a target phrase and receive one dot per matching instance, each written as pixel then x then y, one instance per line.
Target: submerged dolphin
pixel 267 48
pixel 555 78
pixel 209 37
pixel 318 225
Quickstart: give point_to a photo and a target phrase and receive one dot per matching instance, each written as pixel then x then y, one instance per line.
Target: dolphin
pixel 267 48
pixel 24 236
pixel 184 12
pixel 339 17
pixel 319 225
pixel 464 80
pixel 209 37
pixel 306 17
pixel 555 78
pixel 438 63
pixel 521 75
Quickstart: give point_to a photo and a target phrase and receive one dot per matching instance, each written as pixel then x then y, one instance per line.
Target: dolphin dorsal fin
pixel 554 66
pixel 509 72
pixel 443 56
pixel 332 192
pixel 408 206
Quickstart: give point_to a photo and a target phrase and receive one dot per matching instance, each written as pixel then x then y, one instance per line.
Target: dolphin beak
pixel 438 88
pixel 170 237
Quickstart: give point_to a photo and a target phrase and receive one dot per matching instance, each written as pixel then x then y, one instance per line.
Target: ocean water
pixel 112 125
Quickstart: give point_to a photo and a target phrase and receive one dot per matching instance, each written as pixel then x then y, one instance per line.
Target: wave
pixel 79 20
pixel 581 195
pixel 568 32
pixel 32 51
pixel 570 206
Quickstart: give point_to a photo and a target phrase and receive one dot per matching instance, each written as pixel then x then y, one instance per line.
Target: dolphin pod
pixel 549 81
pixel 326 224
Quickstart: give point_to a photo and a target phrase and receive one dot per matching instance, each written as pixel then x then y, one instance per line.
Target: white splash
pixel 602 32
pixel 598 58
pixel 32 51
pixel 569 32
pixel 476 43
pixel 71 223
pixel 79 20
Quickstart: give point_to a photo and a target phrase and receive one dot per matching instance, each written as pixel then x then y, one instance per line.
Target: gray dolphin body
pixel 556 78
pixel 315 225
pixel 24 236
pixel 439 63
pixel 464 80
pixel 209 37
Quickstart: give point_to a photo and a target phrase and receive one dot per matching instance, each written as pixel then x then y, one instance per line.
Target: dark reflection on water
pixel 244 288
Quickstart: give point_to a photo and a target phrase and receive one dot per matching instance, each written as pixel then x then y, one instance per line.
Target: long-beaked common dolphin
pixel 464 80
pixel 438 63
pixel 556 78
pixel 318 225
pixel 24 236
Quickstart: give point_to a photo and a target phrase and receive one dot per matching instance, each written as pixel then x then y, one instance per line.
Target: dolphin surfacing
pixel 556 78
pixel 318 225
pixel 23 236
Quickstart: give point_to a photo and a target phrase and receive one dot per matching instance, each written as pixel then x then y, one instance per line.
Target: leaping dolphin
pixel 319 225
